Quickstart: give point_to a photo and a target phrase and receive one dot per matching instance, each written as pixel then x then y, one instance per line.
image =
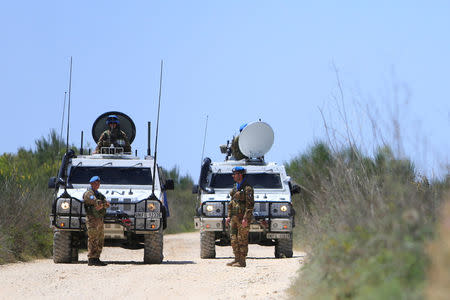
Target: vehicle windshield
pixel 256 180
pixel 111 175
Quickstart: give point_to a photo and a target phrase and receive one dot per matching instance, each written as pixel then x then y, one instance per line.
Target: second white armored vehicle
pixel 273 215
pixel 135 188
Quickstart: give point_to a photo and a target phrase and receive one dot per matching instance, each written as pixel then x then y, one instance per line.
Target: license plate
pixel 255 227
pixel 278 235
pixel 148 215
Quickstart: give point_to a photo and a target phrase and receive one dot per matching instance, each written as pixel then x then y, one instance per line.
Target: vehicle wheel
pixel 153 247
pixel 62 247
pixel 284 248
pixel 74 257
pixel 207 244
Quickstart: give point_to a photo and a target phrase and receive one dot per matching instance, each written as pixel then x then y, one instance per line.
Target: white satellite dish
pixel 256 139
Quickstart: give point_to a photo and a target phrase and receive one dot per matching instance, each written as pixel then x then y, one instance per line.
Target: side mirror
pixel 52 183
pixel 195 189
pixel 169 184
pixel 295 189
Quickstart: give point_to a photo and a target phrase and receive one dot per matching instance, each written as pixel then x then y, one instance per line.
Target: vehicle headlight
pixel 64 204
pixel 213 209
pixel 153 206
pixel 280 209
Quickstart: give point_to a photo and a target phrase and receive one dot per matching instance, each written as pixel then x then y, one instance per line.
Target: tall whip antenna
pixel 68 108
pixel 62 120
pixel 152 196
pixel 204 140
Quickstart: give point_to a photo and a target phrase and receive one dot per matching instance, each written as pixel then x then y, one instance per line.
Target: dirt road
pixel 182 275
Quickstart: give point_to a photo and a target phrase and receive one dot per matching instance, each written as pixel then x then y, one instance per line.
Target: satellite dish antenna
pixel 256 139
pixel 126 125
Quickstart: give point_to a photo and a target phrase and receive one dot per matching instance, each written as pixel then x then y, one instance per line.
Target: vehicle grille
pixel 125 206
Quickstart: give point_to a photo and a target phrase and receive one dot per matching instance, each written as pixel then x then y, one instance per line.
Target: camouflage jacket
pixel 116 137
pixel 242 201
pixel 92 200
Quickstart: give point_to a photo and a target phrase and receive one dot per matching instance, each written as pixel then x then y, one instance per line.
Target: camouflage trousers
pixel 239 237
pixel 96 236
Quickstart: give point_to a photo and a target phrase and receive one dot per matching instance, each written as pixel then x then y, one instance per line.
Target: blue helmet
pixel 242 127
pixel 94 178
pixel 239 170
pixel 112 119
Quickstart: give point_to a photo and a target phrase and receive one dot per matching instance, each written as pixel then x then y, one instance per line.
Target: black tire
pixel 62 247
pixel 207 244
pixel 284 248
pixel 153 247
pixel 74 257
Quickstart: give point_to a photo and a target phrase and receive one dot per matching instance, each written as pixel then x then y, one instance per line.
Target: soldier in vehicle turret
pixel 95 205
pixel 240 213
pixel 113 136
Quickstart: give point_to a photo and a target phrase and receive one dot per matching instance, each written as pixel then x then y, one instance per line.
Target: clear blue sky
pixel 235 61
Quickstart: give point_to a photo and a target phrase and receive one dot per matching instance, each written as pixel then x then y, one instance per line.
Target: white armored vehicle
pixel 135 188
pixel 273 215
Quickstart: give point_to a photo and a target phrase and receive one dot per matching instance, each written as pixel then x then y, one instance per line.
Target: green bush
pixel 364 222
pixel 25 200
pixel 182 203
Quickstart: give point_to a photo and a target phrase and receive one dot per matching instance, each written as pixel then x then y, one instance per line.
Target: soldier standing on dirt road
pixel 95 204
pixel 240 213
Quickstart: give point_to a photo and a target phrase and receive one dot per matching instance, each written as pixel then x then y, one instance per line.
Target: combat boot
pixel 99 263
pixel 91 261
pixel 240 262
pixel 235 260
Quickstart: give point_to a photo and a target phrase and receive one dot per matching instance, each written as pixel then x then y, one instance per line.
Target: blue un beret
pixel 242 127
pixel 239 169
pixel 94 178
pixel 112 119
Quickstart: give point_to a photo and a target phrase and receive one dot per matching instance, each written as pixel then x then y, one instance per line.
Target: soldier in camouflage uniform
pixel 95 204
pixel 113 136
pixel 240 213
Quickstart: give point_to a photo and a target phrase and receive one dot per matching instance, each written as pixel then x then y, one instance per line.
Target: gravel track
pixel 182 275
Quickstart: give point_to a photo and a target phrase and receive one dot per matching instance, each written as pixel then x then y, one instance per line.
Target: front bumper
pixel 272 228
pixel 119 223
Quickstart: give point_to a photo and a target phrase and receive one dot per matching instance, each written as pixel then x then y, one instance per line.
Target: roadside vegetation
pixel 25 200
pixel 365 223
pixel 182 203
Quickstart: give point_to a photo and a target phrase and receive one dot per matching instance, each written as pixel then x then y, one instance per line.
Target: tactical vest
pixel 114 138
pixel 238 203
pixel 90 209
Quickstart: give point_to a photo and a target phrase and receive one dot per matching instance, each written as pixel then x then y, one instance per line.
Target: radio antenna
pixel 62 120
pixel 152 196
pixel 204 139
pixel 68 108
